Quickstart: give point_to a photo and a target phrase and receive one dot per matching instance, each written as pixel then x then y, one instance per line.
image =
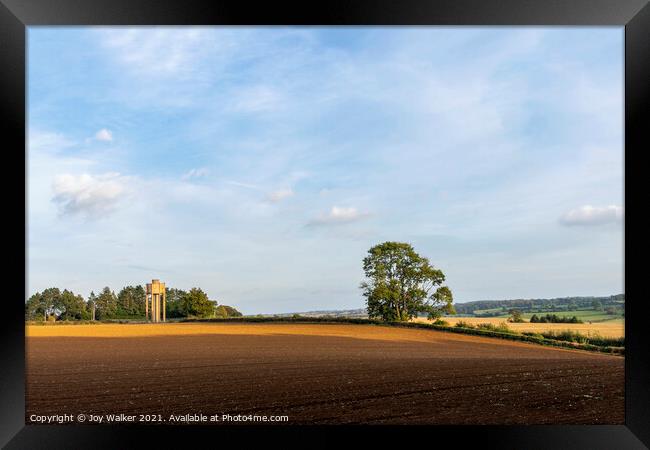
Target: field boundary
pixel 514 336
pixel 426 326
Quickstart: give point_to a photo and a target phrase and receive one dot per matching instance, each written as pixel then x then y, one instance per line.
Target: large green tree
pixel 130 301
pixel 197 304
pixel 54 303
pixel 42 304
pixel 71 306
pixel 400 284
pixel 175 302
pixel 106 304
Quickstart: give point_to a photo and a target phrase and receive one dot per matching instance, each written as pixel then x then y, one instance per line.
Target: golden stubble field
pixel 611 328
pixel 316 374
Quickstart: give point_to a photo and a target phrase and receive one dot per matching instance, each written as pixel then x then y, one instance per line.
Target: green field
pixel 586 315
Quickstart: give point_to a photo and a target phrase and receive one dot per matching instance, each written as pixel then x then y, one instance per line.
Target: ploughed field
pixel 320 373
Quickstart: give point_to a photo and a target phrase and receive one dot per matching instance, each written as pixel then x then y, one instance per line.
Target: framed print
pixel 350 219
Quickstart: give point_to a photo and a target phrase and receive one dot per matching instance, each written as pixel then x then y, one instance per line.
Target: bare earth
pixel 317 374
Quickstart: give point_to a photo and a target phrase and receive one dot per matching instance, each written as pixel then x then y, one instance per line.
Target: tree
pixel 52 304
pixel 44 304
pixel 91 305
pixel 515 316
pixel 36 308
pixel 130 301
pixel 197 304
pixel 139 298
pixel 71 307
pixel 224 311
pixel 597 305
pixel 400 284
pixel 106 304
pixel 175 301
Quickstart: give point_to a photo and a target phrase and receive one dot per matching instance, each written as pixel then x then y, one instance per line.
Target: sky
pixel 262 163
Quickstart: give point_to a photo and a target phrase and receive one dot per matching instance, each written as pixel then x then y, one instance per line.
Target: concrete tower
pixel 155 300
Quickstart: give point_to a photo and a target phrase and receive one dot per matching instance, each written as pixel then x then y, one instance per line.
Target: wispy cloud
pixel 158 52
pixel 339 215
pixel 104 135
pixel 195 173
pixel 48 142
pixel 593 215
pixel 92 196
pixel 244 185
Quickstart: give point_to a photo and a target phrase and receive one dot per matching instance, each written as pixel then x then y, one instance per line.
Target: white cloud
pixel 593 215
pixel 339 215
pixel 104 135
pixel 195 173
pixel 279 195
pixel 89 195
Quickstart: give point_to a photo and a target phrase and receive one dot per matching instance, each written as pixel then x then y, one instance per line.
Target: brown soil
pixel 317 374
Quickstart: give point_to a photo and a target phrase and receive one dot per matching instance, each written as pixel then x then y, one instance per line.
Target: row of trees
pixel 553 318
pixel 541 305
pixel 129 303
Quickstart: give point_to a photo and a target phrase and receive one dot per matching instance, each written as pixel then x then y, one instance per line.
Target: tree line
pixel 553 318
pixel 542 305
pixel 129 303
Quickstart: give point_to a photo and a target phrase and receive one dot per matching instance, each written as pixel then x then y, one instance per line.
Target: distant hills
pixel 355 313
pixel 540 304
pixel 489 307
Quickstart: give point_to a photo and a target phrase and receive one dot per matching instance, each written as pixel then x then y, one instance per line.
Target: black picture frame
pixel 16 15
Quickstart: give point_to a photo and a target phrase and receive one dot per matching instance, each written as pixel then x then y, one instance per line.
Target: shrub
pixel 463 324
pixel 442 323
pixel 536 335
pixel 501 328
pixel 573 336
pixel 597 339
pixel 566 335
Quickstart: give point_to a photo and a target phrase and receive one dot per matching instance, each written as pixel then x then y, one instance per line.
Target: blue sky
pixel 262 163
